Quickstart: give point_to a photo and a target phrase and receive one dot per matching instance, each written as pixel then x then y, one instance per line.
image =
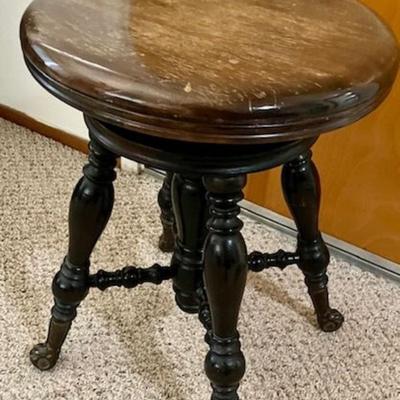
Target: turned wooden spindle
pixel 90 209
pixel 225 272
pixel 301 186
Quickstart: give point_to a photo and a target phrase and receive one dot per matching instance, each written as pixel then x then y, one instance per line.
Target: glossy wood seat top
pixel 237 71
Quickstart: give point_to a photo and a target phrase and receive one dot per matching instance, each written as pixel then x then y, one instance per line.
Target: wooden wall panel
pixel 360 173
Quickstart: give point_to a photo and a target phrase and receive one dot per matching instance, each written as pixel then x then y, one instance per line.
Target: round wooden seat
pixel 251 71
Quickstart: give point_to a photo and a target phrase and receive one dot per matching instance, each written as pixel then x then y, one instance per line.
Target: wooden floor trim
pixel 22 119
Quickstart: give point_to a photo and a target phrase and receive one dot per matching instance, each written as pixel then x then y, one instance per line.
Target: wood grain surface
pixel 204 71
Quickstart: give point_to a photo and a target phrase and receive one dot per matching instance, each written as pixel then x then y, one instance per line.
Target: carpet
pixel 136 344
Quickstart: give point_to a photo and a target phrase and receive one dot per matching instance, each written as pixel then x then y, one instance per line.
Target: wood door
pixel 360 173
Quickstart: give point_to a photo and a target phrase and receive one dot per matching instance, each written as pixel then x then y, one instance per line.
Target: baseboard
pixel 340 249
pixel 58 135
pixel 75 142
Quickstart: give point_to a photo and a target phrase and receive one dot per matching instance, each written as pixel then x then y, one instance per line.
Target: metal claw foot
pixel 331 321
pixel 43 357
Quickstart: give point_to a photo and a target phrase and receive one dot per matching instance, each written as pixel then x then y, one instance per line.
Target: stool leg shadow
pixel 301 187
pixel 132 339
pixel 278 294
pixel 90 209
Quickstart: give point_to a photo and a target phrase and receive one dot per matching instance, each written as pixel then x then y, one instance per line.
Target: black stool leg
pixel 225 272
pixel 301 186
pixel 167 238
pixel 90 209
pixel 190 209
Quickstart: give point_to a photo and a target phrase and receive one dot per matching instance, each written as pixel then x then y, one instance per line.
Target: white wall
pixel 18 89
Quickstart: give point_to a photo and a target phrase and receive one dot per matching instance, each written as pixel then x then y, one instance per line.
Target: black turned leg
pixel 225 272
pixel 190 209
pixel 167 238
pixel 302 191
pixel 90 210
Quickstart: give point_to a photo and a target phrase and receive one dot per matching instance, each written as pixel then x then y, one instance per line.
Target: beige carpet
pixel 136 344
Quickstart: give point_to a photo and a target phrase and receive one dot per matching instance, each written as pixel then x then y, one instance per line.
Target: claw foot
pixel 43 357
pixel 331 321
